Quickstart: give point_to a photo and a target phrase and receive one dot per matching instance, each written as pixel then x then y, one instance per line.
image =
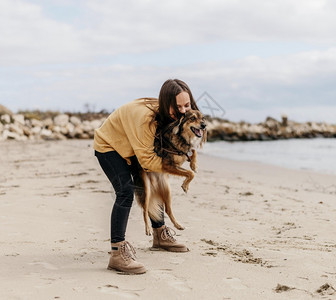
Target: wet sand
pixel 255 231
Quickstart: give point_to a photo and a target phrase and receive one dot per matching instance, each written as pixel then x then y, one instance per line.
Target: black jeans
pixel 121 176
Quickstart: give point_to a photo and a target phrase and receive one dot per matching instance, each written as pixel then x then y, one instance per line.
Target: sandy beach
pixel 255 231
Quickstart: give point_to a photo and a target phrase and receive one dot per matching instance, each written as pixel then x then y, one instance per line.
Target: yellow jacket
pixel 128 131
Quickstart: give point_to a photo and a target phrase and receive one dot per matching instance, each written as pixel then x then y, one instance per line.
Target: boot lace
pixel 127 251
pixel 168 234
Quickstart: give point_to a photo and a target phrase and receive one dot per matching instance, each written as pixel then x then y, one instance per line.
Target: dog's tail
pixel 156 209
pixel 150 185
pixel 138 175
pixel 139 188
pixel 159 190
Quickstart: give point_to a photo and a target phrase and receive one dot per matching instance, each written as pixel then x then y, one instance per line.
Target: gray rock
pixel 96 124
pixel 77 132
pixel 75 120
pixel 36 130
pixel 26 130
pixel 48 123
pixel 85 136
pixel 64 131
pixel 70 127
pixel 58 136
pixel 56 129
pixel 16 128
pixel 61 120
pixel 45 133
pixel 36 123
pixel 8 135
pixel 19 119
pixel 5 118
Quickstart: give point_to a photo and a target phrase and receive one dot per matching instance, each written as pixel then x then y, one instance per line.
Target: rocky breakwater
pixel 270 129
pixel 82 126
pixel 60 127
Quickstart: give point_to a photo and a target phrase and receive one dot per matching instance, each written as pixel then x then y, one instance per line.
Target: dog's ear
pixel 176 128
pixel 204 137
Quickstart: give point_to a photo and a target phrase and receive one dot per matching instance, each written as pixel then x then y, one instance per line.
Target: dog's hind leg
pixel 166 195
pixel 147 188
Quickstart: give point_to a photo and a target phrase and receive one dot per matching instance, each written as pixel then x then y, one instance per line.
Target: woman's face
pixel 182 103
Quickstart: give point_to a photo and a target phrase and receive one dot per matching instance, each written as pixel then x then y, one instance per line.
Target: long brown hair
pixel 167 98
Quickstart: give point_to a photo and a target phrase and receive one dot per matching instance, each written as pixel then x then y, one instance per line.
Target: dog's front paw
pixel 178 226
pixel 193 167
pixel 185 187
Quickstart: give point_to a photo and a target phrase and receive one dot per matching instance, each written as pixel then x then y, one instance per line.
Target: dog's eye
pixel 192 119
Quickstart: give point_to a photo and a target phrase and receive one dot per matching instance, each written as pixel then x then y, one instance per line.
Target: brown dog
pixel 176 144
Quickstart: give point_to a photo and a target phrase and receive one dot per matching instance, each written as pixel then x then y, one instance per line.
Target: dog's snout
pixel 203 125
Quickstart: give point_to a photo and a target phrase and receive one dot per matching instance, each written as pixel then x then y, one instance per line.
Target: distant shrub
pixel 38 114
pixel 42 115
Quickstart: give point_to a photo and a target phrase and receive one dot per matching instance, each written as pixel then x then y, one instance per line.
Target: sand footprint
pixel 115 290
pixel 235 283
pixel 177 260
pixel 179 284
pixel 46 265
pixel 79 288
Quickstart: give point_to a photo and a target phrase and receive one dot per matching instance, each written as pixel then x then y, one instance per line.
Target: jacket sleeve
pixel 144 150
pixel 140 133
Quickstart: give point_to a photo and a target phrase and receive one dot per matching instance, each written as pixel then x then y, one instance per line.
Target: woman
pixel 125 139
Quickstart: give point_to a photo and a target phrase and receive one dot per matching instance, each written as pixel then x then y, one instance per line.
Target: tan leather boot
pixel 163 238
pixel 123 259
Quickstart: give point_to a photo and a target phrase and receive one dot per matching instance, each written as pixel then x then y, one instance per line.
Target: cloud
pixel 203 21
pixel 108 28
pixel 248 84
pixel 101 54
pixel 28 37
pixel 256 81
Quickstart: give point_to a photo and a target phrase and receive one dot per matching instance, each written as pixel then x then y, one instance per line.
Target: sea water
pixel 317 154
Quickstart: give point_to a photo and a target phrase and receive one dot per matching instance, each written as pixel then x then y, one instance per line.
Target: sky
pixel 243 60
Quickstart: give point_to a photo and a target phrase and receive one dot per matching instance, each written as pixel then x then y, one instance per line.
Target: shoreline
pixel 315 155
pixel 255 231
